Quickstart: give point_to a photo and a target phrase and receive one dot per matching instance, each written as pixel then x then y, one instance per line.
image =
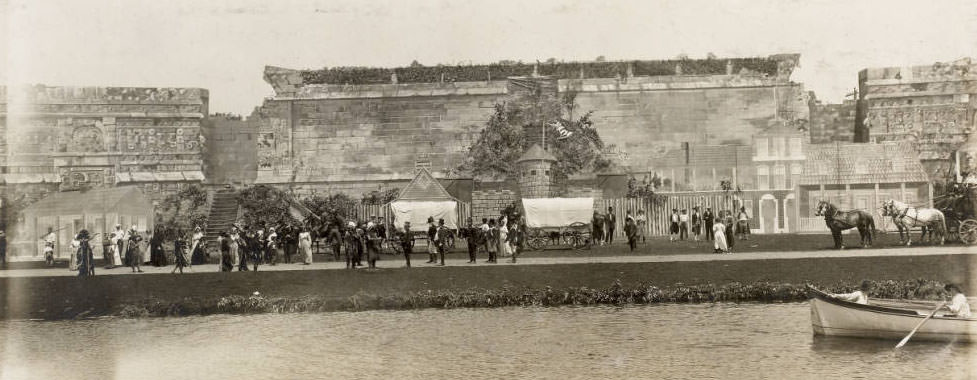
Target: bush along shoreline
pixel 615 294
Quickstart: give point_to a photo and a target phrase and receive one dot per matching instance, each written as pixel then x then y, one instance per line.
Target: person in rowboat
pixel 859 296
pixel 958 302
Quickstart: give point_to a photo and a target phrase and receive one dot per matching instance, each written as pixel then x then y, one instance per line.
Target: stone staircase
pixel 223 213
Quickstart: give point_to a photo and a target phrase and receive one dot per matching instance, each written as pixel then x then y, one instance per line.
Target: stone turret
pixel 535 177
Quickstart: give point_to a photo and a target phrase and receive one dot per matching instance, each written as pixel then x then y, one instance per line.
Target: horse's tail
pixel 871 227
pixel 943 230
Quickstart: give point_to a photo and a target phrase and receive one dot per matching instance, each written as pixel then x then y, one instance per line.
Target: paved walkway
pixel 417 260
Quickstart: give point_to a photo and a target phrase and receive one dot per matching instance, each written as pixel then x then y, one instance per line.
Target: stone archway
pixel 768 214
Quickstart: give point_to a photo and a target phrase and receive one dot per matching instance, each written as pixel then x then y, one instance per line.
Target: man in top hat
pixel 708 218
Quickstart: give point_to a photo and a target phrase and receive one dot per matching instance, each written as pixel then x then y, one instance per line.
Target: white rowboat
pixel 834 317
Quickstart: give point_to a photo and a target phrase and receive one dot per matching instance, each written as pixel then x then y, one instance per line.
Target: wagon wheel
pixel 535 241
pixel 579 239
pixel 968 231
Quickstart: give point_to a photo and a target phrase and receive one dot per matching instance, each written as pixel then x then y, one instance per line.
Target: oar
pixel 932 313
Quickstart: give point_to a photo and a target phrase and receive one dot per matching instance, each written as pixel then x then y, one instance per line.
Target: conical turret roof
pixel 536 153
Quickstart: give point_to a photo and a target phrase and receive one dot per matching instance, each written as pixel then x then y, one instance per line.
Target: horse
pixel 906 217
pixel 838 221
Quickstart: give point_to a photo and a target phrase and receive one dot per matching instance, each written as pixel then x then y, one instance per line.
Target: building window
pixel 763 177
pixel 547 173
pixel 795 174
pixel 761 148
pixel 780 177
pixel 779 147
pixel 532 172
pixel 796 147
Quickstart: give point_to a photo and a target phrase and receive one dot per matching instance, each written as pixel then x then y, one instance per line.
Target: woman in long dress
pixel 719 230
pixel 504 248
pixel 226 262
pixel 305 245
pixel 198 256
pixel 117 244
pixel 234 240
pixel 157 256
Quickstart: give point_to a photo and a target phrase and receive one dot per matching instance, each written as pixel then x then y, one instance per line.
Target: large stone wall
pixel 103 136
pixel 383 132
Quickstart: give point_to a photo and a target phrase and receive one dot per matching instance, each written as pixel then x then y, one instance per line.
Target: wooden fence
pixel 659 213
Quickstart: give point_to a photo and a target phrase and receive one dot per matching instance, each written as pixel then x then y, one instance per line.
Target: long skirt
pixel 73 262
pixel 235 259
pixel 227 262
pixel 306 249
pixel 116 256
pixel 181 258
pixel 133 256
pixel 720 240
pixel 157 256
pixel 199 257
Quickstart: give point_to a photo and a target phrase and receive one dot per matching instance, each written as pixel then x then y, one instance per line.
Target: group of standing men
pixel 241 246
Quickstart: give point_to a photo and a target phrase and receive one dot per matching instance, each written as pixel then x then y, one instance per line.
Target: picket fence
pixel 658 213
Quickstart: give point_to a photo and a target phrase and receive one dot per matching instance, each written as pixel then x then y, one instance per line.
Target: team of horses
pixel 904 217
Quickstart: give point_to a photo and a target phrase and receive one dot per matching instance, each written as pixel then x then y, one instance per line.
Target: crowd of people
pixel 722 228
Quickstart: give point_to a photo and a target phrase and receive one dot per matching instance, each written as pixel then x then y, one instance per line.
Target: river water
pixel 705 341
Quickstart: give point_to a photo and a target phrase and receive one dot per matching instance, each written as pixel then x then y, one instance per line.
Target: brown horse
pixel 838 221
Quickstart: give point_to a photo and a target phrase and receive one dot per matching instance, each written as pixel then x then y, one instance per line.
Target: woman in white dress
pixel 504 249
pixel 117 236
pixel 305 245
pixel 719 231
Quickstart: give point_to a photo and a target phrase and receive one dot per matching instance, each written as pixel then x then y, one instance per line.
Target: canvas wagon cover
pixel 557 212
pixel 417 212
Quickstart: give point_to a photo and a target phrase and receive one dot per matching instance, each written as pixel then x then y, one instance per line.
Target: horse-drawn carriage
pixel 555 221
pixel 959 205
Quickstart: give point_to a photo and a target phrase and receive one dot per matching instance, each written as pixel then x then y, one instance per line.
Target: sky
pixel 223 45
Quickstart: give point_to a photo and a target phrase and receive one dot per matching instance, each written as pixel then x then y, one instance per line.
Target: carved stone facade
pixel 92 137
pixel 935 106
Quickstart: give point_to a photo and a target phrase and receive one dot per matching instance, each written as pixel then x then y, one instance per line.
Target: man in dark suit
pixel 611 223
pixel 708 219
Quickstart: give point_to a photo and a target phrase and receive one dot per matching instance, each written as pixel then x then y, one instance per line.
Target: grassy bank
pixel 481 286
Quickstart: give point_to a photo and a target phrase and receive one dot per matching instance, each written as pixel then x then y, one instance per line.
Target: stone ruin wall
pixel 90 136
pixel 935 106
pixel 378 133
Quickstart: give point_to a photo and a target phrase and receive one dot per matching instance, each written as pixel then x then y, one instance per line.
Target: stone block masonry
pixel 489 204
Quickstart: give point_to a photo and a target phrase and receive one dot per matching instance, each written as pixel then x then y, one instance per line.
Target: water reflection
pixel 659 341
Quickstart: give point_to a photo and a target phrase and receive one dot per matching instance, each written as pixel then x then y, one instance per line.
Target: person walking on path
pixel 708 218
pixel 516 236
pixel 107 251
pixel 683 225
pixel 641 221
pixel 85 257
pixel 272 246
pixel 119 236
pixel 471 235
pixel 504 249
pixel 226 260
pixel 372 245
pixel 610 225
pixel 743 224
pixel 305 245
pixel 335 240
pixel 180 253
pixel 492 238
pixel 673 226
pixel 133 253
pixel 3 248
pixel 696 223
pixel 442 239
pixel 407 243
pixel 719 243
pixel 256 248
pixel 729 222
pixel 237 249
pixel 432 246
pixel 598 228
pixel 157 256
pixel 631 230
pixel 197 254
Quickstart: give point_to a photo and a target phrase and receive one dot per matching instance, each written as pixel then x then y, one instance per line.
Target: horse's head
pixel 821 209
pixel 886 208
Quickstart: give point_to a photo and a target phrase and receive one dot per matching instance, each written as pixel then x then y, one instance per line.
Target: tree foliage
pixel 183 211
pixel 332 209
pixel 377 197
pixel 504 138
pixel 263 205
